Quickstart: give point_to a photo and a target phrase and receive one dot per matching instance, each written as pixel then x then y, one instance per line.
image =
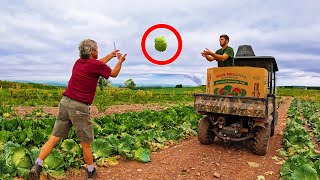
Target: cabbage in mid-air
pixel 160 43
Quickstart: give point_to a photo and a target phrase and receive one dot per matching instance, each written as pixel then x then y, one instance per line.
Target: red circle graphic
pixel 143 44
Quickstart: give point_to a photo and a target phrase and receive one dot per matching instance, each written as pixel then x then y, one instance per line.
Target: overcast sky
pixel 39 39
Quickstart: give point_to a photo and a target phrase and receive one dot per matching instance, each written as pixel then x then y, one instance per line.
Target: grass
pixel 299 93
pixel 21 94
pixel 28 94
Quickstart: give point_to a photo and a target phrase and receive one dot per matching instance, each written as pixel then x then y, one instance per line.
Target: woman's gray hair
pixel 85 48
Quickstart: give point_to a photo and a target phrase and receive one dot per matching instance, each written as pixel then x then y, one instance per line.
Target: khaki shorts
pixel 76 114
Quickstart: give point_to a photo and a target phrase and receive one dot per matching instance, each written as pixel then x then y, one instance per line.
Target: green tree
pixel 130 84
pixel 104 83
pixel 108 83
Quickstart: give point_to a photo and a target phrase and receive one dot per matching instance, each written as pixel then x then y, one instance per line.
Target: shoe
pixel 34 173
pixel 91 175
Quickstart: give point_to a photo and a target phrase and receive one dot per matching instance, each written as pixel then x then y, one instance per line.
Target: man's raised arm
pixel 108 57
pixel 115 71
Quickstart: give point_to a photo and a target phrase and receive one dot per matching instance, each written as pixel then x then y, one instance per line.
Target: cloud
pixel 298 77
pixel 40 38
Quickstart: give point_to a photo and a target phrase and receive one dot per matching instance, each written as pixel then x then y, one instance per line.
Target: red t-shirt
pixel 84 79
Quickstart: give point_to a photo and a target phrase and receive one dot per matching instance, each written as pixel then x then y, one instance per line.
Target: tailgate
pixel 234 105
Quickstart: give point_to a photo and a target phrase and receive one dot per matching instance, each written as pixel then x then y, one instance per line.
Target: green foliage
pixel 305 171
pixel 30 97
pixel 128 96
pixel 311 113
pixel 299 93
pixel 302 162
pixel 50 96
pixel 54 164
pixel 149 130
pixel 104 83
pixel 20 85
pixel 54 161
pixel 101 148
pixel 73 153
pixel 142 155
pixel 130 84
pixel 6 172
pixel 178 86
pixel 17 159
pixel 3 138
pixel 132 135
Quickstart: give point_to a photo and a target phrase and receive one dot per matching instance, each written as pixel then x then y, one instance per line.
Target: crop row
pixel 311 113
pixel 51 97
pixel 131 135
pixel 303 162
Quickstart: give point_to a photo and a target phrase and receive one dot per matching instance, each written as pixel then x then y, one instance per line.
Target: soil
pixel 115 109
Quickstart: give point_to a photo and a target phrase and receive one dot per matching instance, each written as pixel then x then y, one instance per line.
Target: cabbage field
pixel 136 135
pixel 299 144
pixel 21 94
pixel 131 135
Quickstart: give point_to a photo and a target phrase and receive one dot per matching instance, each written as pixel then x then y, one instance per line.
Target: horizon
pixel 65 84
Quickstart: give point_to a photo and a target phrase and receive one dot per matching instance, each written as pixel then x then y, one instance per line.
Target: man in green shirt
pixel 224 56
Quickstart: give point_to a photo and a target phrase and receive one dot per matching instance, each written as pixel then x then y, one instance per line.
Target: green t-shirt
pixel 230 61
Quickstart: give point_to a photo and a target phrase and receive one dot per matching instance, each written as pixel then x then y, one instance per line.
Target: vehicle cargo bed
pixel 234 105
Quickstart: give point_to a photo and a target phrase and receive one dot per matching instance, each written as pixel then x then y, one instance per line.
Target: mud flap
pixel 259 123
pixel 265 123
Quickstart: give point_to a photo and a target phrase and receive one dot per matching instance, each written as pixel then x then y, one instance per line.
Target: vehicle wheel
pixel 261 142
pixel 205 135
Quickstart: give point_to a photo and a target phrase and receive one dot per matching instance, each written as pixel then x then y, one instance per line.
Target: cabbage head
pixel 160 43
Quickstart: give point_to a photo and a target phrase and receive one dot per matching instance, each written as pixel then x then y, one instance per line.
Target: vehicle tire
pixel 261 142
pixel 205 135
